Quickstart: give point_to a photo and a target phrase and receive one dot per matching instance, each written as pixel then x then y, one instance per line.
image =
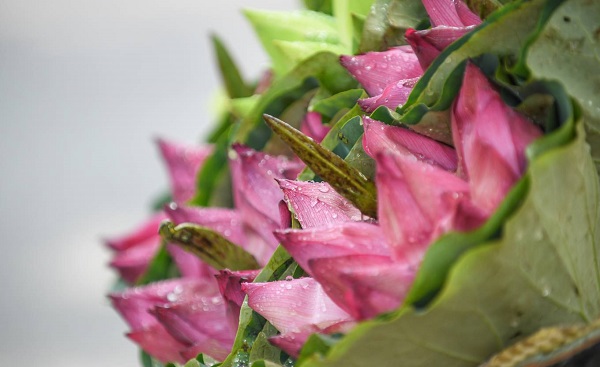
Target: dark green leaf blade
pixel 234 83
pixel 346 180
pixel 208 245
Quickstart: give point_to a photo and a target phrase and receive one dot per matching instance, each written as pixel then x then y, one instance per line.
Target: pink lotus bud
pixel 183 163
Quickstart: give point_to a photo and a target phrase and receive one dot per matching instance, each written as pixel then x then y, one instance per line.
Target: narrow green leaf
pixel 347 181
pixel 232 79
pixel 212 171
pixel 208 245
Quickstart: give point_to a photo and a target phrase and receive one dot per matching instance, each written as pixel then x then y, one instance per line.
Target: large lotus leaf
pixel 543 271
pixel 568 50
pixel 505 33
pixel 300 25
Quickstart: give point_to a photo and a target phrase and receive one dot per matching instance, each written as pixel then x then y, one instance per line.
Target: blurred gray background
pixel 85 85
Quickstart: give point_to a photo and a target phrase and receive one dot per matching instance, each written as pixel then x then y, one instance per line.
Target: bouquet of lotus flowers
pixel 412 183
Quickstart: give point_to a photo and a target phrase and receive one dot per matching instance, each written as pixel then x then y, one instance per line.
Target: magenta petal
pixel 446 12
pixel 291 343
pixel 425 51
pixel 317 204
pixel 490 138
pixel 346 239
pixel 417 202
pixel 197 320
pixel 376 70
pixel 392 96
pixel 256 193
pixel 134 303
pixel 147 232
pixel 295 305
pixel 312 126
pixel 467 17
pixel 157 342
pixel 133 262
pixel 380 137
pixel 364 285
pixel 183 163
pixel 189 265
pixel 230 286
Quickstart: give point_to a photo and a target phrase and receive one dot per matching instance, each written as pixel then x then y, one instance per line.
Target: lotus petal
pixel 417 202
pixel 256 194
pixel 157 342
pixel 364 285
pixel 183 163
pixel 380 137
pixel 133 262
pixel 392 96
pixel 230 286
pixel 197 320
pixel 452 13
pixel 317 204
pixel 324 242
pixel 294 305
pixel 134 303
pixel 312 126
pixel 376 70
pixel 490 138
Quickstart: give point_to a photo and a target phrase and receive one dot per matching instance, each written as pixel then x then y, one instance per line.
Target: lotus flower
pixel 175 320
pixel 425 189
pixel 135 250
pixel 389 76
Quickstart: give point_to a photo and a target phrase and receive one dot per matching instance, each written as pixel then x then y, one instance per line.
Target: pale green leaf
pixel 568 50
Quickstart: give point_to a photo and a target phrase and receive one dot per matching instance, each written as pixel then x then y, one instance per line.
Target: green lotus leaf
pixel 571 41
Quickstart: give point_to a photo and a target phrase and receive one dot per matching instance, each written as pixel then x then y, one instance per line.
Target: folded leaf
pixel 208 245
pixel 346 180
